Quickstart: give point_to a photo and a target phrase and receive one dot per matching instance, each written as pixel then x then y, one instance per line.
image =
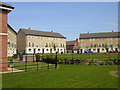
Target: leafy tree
pixel 106 47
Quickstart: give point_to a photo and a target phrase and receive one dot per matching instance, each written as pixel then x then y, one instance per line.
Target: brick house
pixel 71 46
pixel 4 10
pixel 100 42
pixel 34 41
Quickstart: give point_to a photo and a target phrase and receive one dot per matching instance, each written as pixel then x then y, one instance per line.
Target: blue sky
pixel 70 18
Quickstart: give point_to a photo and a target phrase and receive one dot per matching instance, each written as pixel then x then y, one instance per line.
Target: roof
pixel 6 5
pixel 100 35
pixel 41 33
pixel 71 42
pixel 12 29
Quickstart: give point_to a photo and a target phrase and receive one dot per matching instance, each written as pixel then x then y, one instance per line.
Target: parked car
pixel 88 51
pixel 112 51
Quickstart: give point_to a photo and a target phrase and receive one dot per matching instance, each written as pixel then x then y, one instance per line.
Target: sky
pixel 68 18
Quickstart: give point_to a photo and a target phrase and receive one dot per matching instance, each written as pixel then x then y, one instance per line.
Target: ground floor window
pixel 29 49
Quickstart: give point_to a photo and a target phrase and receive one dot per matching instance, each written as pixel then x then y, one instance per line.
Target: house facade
pixel 33 41
pixel 100 42
pixel 72 46
pixel 12 41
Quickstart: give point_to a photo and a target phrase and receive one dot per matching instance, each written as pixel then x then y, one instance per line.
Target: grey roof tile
pixel 42 33
pixel 100 35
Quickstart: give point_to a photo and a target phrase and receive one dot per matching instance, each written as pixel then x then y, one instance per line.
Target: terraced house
pixel 33 41
pixel 12 41
pixel 100 42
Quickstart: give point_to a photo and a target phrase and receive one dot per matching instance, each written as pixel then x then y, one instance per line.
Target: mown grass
pixel 66 76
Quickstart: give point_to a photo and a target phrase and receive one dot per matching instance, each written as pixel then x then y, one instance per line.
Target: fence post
pixel 56 60
pixel 48 61
pixel 33 57
pixel 12 66
pixel 26 63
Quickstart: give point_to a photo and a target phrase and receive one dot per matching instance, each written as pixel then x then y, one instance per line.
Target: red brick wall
pixel 3 39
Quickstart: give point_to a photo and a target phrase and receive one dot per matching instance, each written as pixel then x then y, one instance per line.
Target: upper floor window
pixel 32 44
pixel 47 45
pixel 83 40
pixel 99 45
pixel 91 45
pixel 109 38
pixel 39 44
pixel 92 39
pixel 39 37
pixel 103 45
pixel 30 36
pixel 55 39
pixel 109 44
pixel 56 44
pixel 116 38
pixel 29 44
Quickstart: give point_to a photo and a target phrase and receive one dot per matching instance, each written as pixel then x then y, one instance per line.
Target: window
pixel 39 37
pixel 82 39
pixel 102 39
pixel 109 38
pixel 91 45
pixel 109 44
pixel 102 44
pixel 116 38
pixel 83 45
pixel 12 45
pixel 61 45
pixel 95 45
pixel 29 49
pixel 92 39
pixel 46 45
pixel 39 44
pixel 55 39
pixel 32 36
pixel 47 38
pixel 56 44
pixel 32 44
pixel 99 45
pixel 29 44
pixel 29 36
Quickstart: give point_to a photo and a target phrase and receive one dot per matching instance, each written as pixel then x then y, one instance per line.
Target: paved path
pixel 10 71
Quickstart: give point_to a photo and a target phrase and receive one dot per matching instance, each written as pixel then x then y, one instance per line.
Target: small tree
pixel 106 47
pixel 111 46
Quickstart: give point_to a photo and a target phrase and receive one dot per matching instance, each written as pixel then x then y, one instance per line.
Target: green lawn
pixel 66 76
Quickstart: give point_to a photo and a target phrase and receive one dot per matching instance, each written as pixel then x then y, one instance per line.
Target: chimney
pixel 112 30
pixel 29 28
pixel 76 39
pixel 88 31
pixel 51 31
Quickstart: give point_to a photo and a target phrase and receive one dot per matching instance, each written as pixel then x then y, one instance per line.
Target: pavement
pixel 10 71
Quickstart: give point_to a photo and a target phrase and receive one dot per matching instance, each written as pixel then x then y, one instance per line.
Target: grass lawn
pixel 66 76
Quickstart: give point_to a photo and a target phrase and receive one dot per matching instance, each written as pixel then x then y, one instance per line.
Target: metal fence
pixel 31 63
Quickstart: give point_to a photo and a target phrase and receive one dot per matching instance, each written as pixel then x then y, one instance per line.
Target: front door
pixel 34 50
pixel 42 50
pixel 50 50
pixel 98 50
pixel 81 50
